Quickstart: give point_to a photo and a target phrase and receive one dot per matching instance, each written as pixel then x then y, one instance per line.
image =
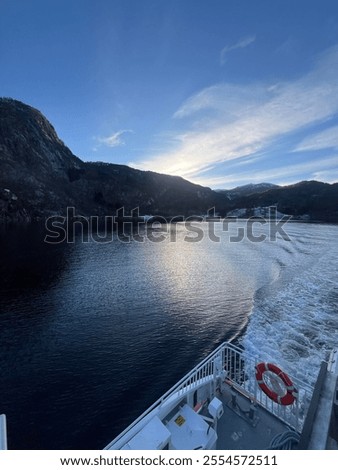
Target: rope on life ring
pixel 291 392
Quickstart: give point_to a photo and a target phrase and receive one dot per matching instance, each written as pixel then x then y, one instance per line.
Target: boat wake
pixel 294 321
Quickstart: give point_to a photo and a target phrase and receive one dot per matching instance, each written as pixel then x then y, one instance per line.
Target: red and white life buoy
pixel 291 392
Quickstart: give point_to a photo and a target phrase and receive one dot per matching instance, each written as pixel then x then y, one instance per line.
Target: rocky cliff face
pixel 35 165
pixel 46 178
pixel 11 209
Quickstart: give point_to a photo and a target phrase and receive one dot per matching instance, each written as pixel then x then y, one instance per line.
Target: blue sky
pixel 221 92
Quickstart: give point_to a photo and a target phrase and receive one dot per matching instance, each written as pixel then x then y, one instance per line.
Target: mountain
pixel 35 166
pixel 311 200
pixel 40 176
pixel 246 190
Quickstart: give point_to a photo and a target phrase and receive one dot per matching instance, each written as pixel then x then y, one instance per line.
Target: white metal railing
pixel 239 367
pixel 3 433
pixel 241 370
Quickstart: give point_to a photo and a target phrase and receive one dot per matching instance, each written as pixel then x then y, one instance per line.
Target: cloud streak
pixel 241 44
pixel 243 121
pixel 229 101
pixel 115 139
pixel 315 169
pixel 321 140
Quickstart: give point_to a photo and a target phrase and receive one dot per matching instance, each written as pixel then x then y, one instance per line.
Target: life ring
pixel 291 392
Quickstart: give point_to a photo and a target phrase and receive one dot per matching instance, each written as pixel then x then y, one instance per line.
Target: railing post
pixel 3 433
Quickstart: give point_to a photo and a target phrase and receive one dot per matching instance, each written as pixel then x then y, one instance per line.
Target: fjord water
pixel 92 333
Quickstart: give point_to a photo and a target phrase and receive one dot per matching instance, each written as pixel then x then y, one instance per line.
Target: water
pixel 91 333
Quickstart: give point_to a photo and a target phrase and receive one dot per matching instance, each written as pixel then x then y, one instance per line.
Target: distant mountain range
pixel 246 190
pixel 307 200
pixel 40 176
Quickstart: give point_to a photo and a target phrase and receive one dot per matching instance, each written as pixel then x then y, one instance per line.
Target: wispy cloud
pixel 243 42
pixel 241 121
pixel 322 140
pixel 329 176
pixel 226 99
pixel 115 139
pixel 314 169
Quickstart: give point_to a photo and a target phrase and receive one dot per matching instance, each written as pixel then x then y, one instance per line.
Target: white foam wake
pixel 294 322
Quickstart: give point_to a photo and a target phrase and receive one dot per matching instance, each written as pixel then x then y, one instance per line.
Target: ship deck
pixel 238 431
pixel 248 420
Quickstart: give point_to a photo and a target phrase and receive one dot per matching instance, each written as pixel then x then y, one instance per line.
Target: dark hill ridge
pixel 40 176
pixel 317 200
pixel 246 190
pixel 45 177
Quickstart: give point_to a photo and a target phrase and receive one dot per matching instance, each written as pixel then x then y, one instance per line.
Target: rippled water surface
pixel 92 333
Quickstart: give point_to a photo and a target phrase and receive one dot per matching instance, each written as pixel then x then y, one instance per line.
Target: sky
pixel 220 92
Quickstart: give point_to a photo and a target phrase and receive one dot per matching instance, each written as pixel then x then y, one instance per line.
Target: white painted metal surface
pixel 233 365
pixel 3 433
